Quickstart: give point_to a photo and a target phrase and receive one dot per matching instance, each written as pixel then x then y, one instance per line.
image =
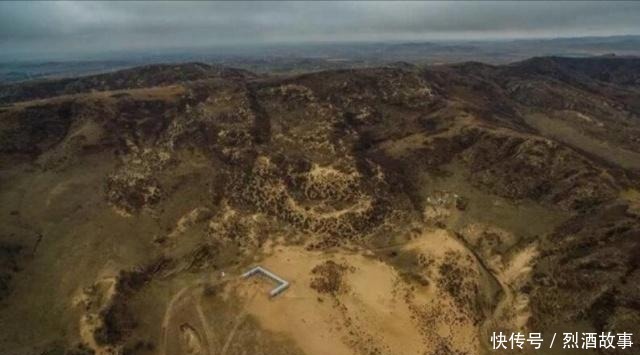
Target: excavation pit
pixel 282 284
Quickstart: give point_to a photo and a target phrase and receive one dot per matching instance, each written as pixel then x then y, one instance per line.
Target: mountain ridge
pixel 473 196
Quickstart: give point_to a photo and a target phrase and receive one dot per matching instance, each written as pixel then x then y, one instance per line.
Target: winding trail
pixel 180 297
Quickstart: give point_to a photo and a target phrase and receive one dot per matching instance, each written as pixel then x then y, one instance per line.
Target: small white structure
pixel 282 284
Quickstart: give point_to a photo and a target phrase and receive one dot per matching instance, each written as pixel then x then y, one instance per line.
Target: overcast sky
pixel 74 28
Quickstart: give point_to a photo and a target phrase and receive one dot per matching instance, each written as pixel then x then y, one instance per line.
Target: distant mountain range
pixel 314 57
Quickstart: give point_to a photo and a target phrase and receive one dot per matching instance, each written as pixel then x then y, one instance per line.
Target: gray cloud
pixel 39 28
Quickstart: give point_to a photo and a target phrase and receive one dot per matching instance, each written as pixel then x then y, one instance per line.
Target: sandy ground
pixel 370 314
pixel 375 310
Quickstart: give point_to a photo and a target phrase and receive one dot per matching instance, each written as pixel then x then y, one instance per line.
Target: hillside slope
pixel 411 208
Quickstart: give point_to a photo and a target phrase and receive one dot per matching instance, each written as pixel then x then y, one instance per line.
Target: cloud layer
pixel 41 28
